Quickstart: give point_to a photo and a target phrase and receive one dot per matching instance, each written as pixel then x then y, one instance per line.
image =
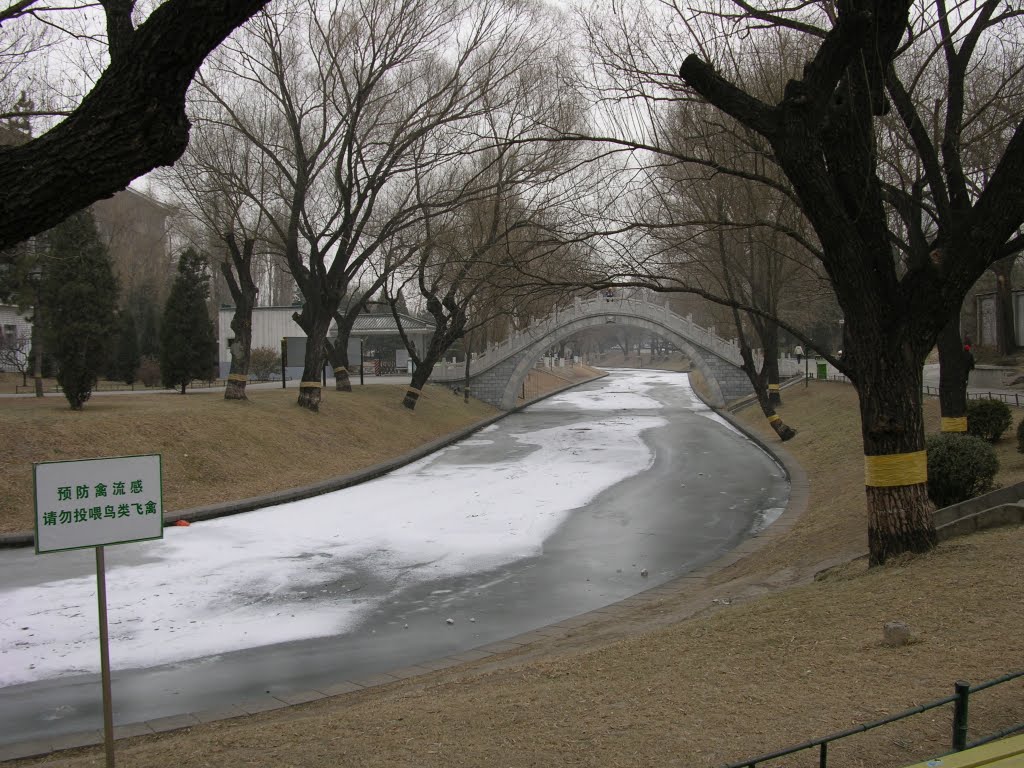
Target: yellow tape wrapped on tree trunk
pixel 954 423
pixel 895 469
pixel 310 385
pixel 773 418
pixel 238 377
pixel 773 387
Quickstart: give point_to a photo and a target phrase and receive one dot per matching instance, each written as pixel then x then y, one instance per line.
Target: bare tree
pixel 745 243
pixel 466 257
pixel 983 112
pixel 753 271
pixel 900 253
pixel 215 182
pixel 348 102
pixel 650 217
pixel 824 133
pixel 14 354
pixel 453 263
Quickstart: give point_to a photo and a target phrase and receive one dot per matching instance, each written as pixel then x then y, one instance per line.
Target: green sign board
pixel 93 502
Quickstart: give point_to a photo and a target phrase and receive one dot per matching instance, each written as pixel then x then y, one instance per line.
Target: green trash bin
pixel 822 369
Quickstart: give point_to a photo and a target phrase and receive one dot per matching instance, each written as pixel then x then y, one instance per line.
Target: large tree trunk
pixel 770 345
pixel 444 336
pixel 37 352
pixel 419 378
pixel 783 430
pixel 759 382
pixel 469 359
pixel 899 520
pixel 774 387
pixel 235 388
pixel 337 355
pixel 822 133
pixel 1006 342
pixel 313 362
pixel 237 271
pixel 895 464
pixel 953 374
pixel 241 352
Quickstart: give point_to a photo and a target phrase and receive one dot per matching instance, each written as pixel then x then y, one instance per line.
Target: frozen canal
pixel 549 513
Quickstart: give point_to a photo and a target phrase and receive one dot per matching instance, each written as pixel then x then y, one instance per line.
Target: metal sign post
pixel 91 503
pixel 108 705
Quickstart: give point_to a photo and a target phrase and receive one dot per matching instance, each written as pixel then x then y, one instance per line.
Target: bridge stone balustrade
pixel 497 375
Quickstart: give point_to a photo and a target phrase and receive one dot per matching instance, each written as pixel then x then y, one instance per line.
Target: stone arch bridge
pixel 497 375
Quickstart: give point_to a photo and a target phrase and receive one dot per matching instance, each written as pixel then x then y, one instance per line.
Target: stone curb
pixel 223 509
pixel 687 582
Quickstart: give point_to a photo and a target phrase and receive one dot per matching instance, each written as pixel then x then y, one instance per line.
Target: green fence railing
pixel 959 742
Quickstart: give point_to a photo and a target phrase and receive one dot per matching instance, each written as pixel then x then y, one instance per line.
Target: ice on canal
pixel 278 574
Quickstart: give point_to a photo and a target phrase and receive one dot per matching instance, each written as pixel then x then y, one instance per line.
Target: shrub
pixel 1020 436
pixel 988 419
pixel 960 467
pixel 264 361
pixel 149 372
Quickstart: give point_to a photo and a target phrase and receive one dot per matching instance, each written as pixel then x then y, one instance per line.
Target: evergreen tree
pixel 79 293
pixel 125 362
pixel 149 342
pixel 149 337
pixel 188 347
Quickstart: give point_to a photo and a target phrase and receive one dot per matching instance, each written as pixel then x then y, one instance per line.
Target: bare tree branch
pixel 119 27
pixel 132 121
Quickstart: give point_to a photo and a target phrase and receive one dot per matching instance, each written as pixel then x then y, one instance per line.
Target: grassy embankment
pixel 760 656
pixel 213 450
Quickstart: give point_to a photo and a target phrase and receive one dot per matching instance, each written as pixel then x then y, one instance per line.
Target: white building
pixel 271 325
pixel 15 338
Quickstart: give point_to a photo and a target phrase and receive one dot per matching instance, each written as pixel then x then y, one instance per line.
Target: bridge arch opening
pixel 528 359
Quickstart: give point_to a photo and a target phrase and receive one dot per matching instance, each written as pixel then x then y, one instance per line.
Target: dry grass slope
pixel 214 450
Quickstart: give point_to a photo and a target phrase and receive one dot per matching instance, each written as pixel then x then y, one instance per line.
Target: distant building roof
pixel 146 199
pixel 386 323
pixel 376 325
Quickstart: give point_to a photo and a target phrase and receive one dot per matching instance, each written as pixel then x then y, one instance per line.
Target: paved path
pixel 930 379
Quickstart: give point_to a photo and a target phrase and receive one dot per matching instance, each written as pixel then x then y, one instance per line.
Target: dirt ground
pixel 760 656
